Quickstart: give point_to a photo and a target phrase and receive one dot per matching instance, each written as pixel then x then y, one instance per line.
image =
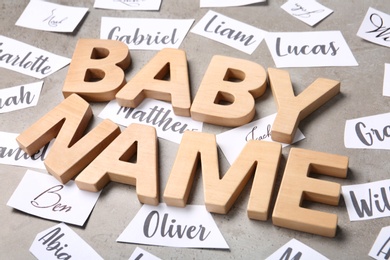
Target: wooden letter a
pixel 115 164
pixel 258 158
pixel 165 77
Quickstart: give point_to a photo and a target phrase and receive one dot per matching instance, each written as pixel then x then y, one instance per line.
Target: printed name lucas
pixel 319 49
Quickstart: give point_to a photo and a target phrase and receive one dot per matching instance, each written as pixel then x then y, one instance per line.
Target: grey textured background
pixel 361 95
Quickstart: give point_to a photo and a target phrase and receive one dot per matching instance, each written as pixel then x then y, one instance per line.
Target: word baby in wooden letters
pixel 96 73
pixel 104 154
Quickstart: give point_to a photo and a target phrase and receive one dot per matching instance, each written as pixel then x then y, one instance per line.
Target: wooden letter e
pixel 298 186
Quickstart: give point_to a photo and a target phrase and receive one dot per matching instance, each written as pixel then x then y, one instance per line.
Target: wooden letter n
pixel 130 159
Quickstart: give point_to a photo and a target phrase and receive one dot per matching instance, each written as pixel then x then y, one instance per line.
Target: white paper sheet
pixel 381 247
pixel 11 154
pixel 150 5
pixel 308 11
pixel 227 3
pixel 191 227
pixel 375 27
pixel 309 49
pixel 146 34
pixel 233 141
pixel 61 242
pixel 29 60
pixel 155 113
pixel 140 254
pixel 19 97
pixel 44 196
pixel 368 200
pixel 228 31
pixel 371 132
pixel 386 80
pixel 46 16
pixel 295 249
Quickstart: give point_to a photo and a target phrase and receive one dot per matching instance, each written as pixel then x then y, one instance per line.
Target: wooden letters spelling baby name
pixel 227 80
pixel 104 154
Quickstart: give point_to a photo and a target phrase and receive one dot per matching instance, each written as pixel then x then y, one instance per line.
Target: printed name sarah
pixel 24 97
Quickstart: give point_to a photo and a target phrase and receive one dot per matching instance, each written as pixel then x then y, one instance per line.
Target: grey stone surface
pixel 361 95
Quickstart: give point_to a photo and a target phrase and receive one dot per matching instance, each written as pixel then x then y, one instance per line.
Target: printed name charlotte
pixel 27 61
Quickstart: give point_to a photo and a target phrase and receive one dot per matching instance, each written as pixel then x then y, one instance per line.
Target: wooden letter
pixel 152 82
pixel 96 71
pixel 226 94
pixel 258 158
pixel 114 164
pixel 292 109
pixel 67 122
pixel 298 186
